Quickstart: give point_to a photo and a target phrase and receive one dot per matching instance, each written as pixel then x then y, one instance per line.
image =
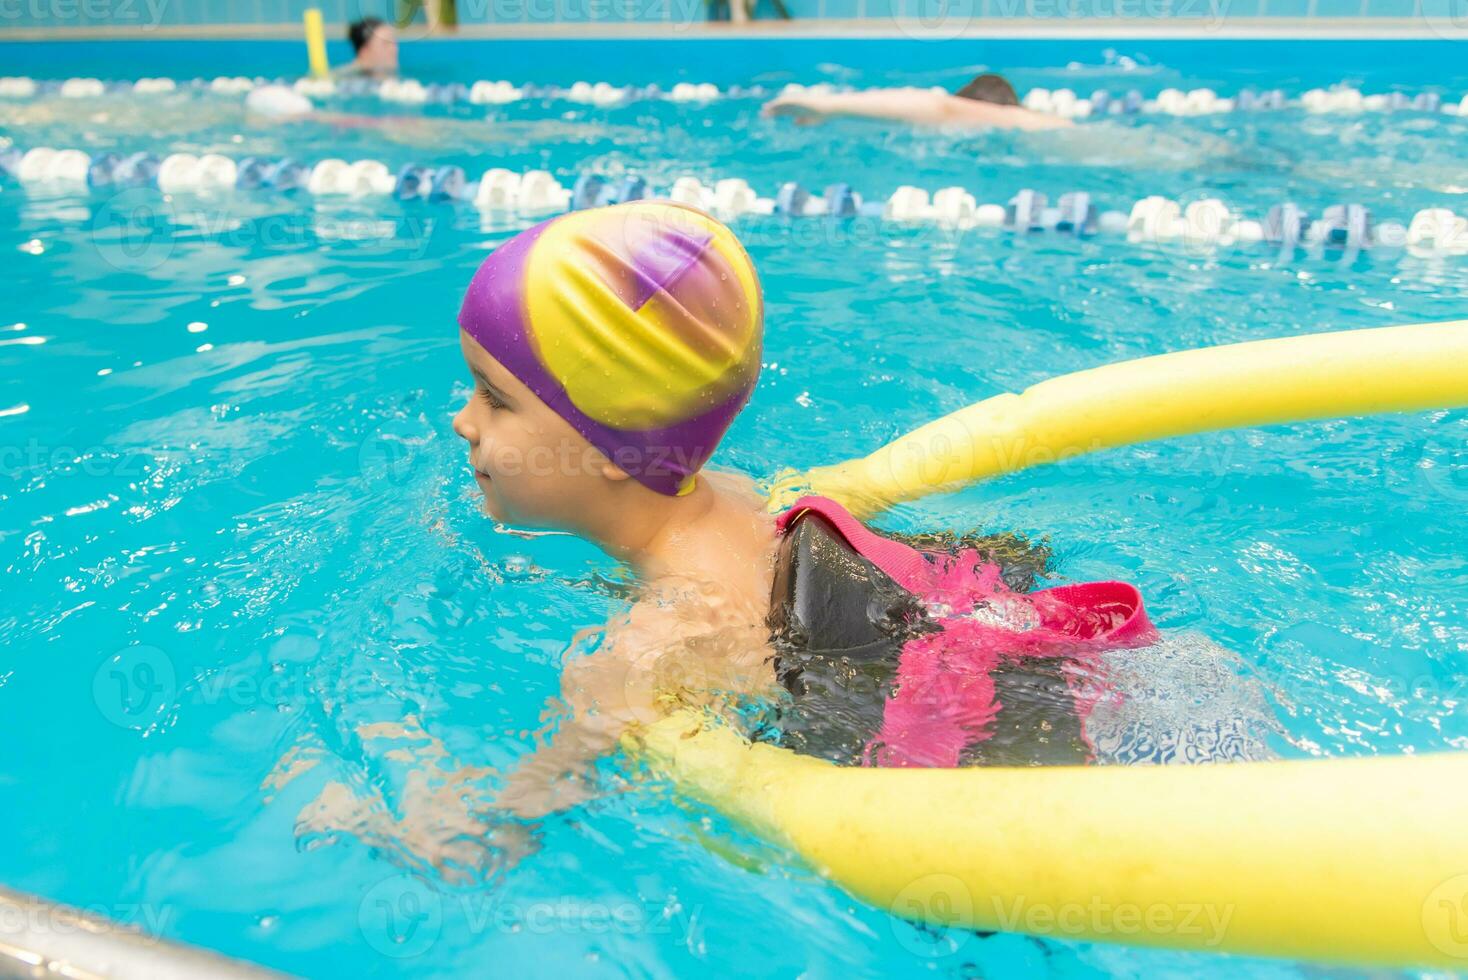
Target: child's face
pixel 531 465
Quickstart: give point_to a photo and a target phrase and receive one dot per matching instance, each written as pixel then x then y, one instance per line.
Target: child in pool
pixel 610 350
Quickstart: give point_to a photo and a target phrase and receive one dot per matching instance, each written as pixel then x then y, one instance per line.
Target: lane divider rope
pixel 1207 222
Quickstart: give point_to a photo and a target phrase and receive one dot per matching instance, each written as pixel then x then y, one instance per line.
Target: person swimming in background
pixel 375 45
pixel 278 104
pixel 273 105
pixel 276 120
pixel 610 350
pixel 986 101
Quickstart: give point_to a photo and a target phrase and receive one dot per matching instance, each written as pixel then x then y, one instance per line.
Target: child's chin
pixel 489 508
pixel 487 503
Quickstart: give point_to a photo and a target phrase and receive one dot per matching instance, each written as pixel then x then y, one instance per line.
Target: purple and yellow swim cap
pixel 639 324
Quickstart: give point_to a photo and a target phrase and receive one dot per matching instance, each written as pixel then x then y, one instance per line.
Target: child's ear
pixel 611 471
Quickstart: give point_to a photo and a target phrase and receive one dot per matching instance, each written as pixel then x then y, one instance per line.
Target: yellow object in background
pixel 1345 860
pixel 316 43
pixel 1263 382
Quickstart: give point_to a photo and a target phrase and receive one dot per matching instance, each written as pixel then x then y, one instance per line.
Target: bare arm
pixel 666 654
pixel 922 107
pixel 602 695
pixel 912 105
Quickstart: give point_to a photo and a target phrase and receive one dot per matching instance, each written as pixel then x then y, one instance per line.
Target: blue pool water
pixel 262 655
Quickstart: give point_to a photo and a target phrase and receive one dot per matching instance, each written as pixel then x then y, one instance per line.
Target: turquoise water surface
pixel 263 656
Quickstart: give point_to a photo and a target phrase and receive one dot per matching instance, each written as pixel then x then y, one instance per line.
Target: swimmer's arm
pixel 922 107
pixel 911 105
pixel 602 695
pixel 555 776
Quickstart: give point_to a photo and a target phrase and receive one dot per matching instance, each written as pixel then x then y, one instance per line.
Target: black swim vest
pixel 839 624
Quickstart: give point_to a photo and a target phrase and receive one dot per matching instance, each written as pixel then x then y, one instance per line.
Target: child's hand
pixel 510 842
pixel 531 792
pixel 799 109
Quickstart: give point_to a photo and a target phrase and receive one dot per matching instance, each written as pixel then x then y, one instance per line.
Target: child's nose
pixel 464 427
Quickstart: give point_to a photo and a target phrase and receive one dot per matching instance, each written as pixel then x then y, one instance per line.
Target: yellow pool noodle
pixel 1347 860
pixel 1361 861
pixel 316 43
pixel 1263 382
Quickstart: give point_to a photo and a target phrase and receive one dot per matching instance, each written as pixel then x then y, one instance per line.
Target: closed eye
pixel 492 396
pixel 493 400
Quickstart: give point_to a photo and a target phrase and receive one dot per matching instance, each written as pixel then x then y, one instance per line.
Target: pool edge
pixel 42 939
pixel 1019 28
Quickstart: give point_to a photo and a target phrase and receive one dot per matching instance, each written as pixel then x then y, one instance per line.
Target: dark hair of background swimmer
pixel 362 30
pixel 989 88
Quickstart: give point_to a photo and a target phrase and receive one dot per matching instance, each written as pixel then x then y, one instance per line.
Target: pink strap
pixel 907 566
pixel 1109 612
pixel 945 694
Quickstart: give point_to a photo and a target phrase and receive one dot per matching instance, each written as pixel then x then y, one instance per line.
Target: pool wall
pixel 921 18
